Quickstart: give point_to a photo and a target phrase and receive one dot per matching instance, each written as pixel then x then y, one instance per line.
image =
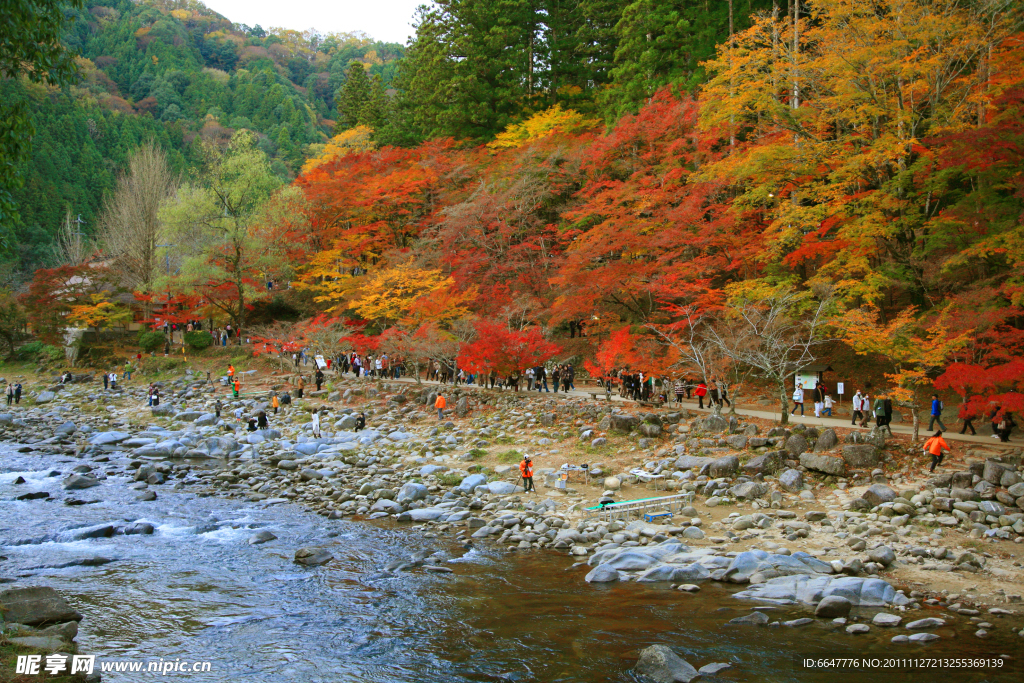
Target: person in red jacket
pixel 935 447
pixel 701 392
pixel 526 468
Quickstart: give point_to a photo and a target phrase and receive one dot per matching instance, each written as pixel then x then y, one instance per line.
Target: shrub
pixel 449 478
pixel 151 341
pixel 510 457
pixel 30 351
pixel 198 340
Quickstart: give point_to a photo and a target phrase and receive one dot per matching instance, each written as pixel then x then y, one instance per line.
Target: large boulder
pixel 796 445
pixel 766 463
pixel 462 407
pixel 471 482
pixel 602 574
pixel 723 467
pixel 993 471
pixel 188 416
pixel 650 430
pixel 861 455
pixel 878 494
pixel 623 423
pixel 714 424
pixel 410 492
pixel 792 480
pixel 80 481
pixel 823 463
pixel 347 422
pixel 36 605
pixel 162 410
pixel 45 396
pixel 108 438
pixel 660 664
pixel 686 462
pixel 832 607
pixel 826 442
pixel 749 490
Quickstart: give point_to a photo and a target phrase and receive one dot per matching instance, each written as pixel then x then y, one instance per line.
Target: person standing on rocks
pixel 302 385
pixel 319 377
pixel 217 408
pixel 316 424
pixel 261 420
pixel 935 447
pixel 10 394
pixel 936 413
pixel 526 468
pixel 17 393
pixel 879 410
pixel 275 403
pixel 360 422
pixel 106 381
pixel 440 404
pixel 236 388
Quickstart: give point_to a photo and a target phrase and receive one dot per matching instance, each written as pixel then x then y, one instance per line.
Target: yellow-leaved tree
pixel 389 294
pixel 541 125
pixel 351 141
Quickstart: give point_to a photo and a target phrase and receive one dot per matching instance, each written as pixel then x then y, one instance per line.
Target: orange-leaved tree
pixel 504 351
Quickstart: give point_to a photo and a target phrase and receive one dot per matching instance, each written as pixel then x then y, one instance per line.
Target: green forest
pixel 181 75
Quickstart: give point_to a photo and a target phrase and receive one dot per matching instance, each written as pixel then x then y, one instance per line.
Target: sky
pixel 386 20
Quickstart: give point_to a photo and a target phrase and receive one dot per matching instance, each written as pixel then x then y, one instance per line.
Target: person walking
pixel 819 399
pixel 1005 426
pixel 17 393
pixel 936 413
pixel 827 410
pixel 529 379
pixel 236 388
pixel 127 369
pixel 541 377
pixel 715 398
pixel 361 421
pixel 723 395
pixel 798 400
pixel 302 385
pixel 700 392
pixel 154 399
pixel 936 446
pixel 440 404
pixel 679 387
pixel 319 377
pixel 887 407
pixel 526 469
pixel 879 410
pixel 275 403
pixel 106 381
pixel 967 415
pixel 556 376
pixel 10 394
pixel 858 407
pixel 316 424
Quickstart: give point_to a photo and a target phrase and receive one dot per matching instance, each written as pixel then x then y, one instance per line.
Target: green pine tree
pixel 352 97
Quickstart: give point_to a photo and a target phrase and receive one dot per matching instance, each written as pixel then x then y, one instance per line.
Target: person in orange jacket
pixel 526 468
pixel 701 391
pixel 231 372
pixel 935 447
pixel 440 404
pixel 238 386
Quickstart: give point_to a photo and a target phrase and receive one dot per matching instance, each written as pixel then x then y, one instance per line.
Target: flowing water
pixel 195 590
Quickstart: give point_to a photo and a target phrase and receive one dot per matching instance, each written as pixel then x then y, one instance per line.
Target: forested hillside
pixel 182 75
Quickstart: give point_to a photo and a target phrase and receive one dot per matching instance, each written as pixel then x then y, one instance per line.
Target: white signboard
pixel 320 362
pixel 839 388
pixel 806 380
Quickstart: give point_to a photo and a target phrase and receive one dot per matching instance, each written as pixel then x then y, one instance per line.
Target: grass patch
pixel 477 453
pixel 510 457
pixel 9 656
pixel 449 478
pixel 505 440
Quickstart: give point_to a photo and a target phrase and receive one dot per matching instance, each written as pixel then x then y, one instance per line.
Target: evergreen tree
pixel 352 97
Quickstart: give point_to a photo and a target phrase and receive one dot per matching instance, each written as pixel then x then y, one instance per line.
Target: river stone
pixel 45 396
pixel 472 481
pixel 347 422
pixel 312 557
pixel 796 445
pixel 861 455
pixel 602 574
pixel 766 463
pixel 80 481
pixel 737 442
pixel 1017 490
pixel 502 488
pixel 823 463
pixel 693 533
pixel 661 665
pixel 619 422
pixel 410 492
pixel 877 494
pixel 45 643
pixel 792 480
pixel 923 638
pixel 886 619
pixel 832 607
pixel 462 407
pixel 925 624
pixel 162 409
pixel 749 490
pixel 826 441
pixel 993 471
pixel 754 618
pixel 883 555
pixel 261 537
pixel 425 514
pixel 66 428
pixel 188 416
pixel 686 462
pixel 36 605
pixel 650 430
pixel 108 438
pixel 715 423
pixel 612 484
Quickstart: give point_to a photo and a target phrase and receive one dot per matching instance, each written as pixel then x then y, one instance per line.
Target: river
pixel 195 590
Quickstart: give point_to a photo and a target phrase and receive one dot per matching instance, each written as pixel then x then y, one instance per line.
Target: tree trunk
pixel 784 398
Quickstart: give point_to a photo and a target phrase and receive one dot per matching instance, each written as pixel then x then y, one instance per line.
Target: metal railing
pixel 628 508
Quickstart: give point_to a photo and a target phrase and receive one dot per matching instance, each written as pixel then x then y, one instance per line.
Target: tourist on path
pixel 936 413
pixel 526 468
pixel 935 447
pixel 440 404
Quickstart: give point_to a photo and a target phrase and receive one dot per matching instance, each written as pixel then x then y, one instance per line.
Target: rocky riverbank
pixel 839 523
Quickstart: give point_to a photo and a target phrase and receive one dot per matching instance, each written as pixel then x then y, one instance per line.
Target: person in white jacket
pixel 798 399
pixel 858 407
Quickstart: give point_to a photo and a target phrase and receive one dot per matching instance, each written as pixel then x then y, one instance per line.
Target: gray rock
pixel 796 445
pixel 753 619
pixel 471 482
pixel 502 488
pixel 45 643
pixel 36 605
pixel 833 606
pixel 602 574
pixel 854 629
pixel 108 438
pixel 878 494
pixel 724 467
pixel 66 428
pixel 462 407
pixel 886 619
pixel 188 416
pixel 80 481
pixel 861 455
pixel 412 491
pixel 623 423
pixel 883 555
pixel 826 442
pixel 993 471
pixel 737 441
pixel 712 669
pixel 749 490
pixel 660 664
pixel 692 533
pixel 823 463
pixel 925 624
pixel 650 430
pixel 687 462
pixel 792 481
pixel 923 638
pixel 67 631
pixel 347 422
pixel 312 557
pixel 45 396
pixel 715 423
pixel 162 410
pixel 261 537
pixel 766 463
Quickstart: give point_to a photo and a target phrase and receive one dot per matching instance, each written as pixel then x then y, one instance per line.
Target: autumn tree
pixel 12 320
pixel 914 352
pixel 390 293
pixel 220 241
pixel 67 296
pixel 504 351
pixel 131 232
